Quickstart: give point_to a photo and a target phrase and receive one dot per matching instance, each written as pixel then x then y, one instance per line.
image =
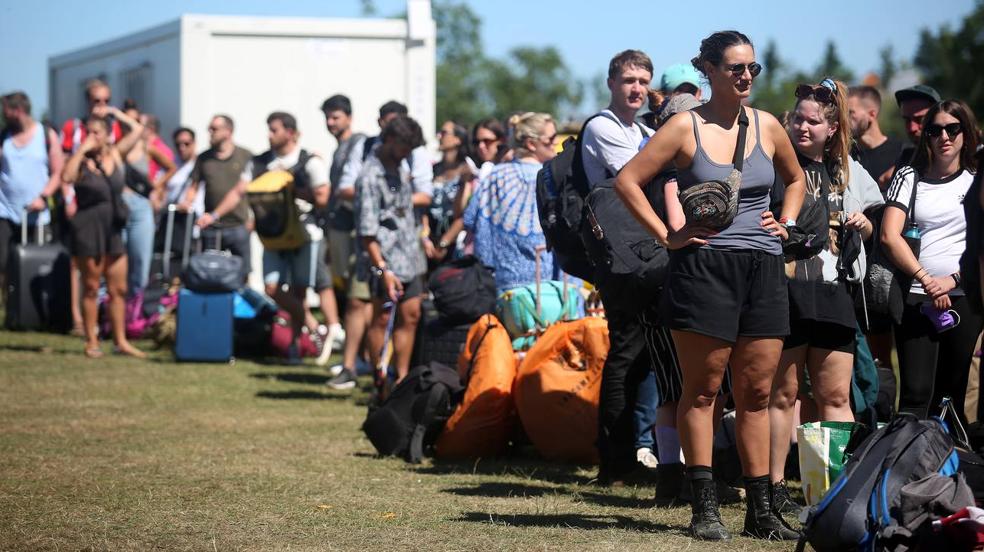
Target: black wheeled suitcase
pixel 172 241
pixel 38 285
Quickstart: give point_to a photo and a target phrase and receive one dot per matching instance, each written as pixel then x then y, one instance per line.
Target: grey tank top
pixel 757 177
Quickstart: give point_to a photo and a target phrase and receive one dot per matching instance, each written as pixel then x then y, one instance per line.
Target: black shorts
pixel 820 335
pixel 411 289
pixel 726 294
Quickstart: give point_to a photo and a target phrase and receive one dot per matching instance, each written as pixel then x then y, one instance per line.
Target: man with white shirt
pixel 288 273
pixel 609 141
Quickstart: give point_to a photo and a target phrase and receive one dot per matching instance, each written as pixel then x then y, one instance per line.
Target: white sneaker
pixel 335 370
pixel 646 457
pixel 324 345
pixel 336 337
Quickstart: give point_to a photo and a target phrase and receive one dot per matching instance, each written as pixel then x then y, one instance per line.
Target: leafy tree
pixel 533 79
pixel 951 61
pixel 888 67
pixel 832 66
pixel 773 89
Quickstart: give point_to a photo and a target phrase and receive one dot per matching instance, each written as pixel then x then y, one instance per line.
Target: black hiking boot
pixel 705 523
pixel 761 521
pixel 783 502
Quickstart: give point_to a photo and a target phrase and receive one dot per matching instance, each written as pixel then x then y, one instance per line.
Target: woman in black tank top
pixel 725 301
pixel 96 171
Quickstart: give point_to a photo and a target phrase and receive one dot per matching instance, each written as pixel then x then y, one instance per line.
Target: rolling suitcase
pixel 38 285
pixel 204 331
pixel 171 244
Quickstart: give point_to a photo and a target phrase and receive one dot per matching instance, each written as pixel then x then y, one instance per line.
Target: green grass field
pixel 117 454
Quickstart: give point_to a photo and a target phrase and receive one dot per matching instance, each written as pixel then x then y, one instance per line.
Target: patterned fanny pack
pixel 714 204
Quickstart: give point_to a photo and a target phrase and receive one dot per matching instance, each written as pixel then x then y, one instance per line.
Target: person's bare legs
pixel 754 363
pixel 116 270
pixel 357 319
pixel 75 288
pixel 403 335
pixel 830 379
pixel 292 301
pixel 703 360
pixel 92 270
pixel 785 389
pixel 376 333
pixel 329 305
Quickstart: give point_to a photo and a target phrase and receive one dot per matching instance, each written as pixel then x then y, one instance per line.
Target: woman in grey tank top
pixel 725 296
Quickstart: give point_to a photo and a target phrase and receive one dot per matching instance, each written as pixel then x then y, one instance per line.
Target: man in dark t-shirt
pixel 914 102
pixel 218 170
pixel 876 152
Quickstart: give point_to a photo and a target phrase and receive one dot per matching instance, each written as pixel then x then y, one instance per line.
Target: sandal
pixel 130 351
pixel 94 352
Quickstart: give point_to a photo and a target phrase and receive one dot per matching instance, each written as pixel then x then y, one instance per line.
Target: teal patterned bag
pixel 524 319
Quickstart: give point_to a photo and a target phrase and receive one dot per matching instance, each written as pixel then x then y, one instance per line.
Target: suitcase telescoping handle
pixel 169 238
pixel 39 226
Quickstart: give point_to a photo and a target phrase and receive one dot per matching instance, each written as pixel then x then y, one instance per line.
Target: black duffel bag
pixel 464 290
pixel 213 272
pixel 630 264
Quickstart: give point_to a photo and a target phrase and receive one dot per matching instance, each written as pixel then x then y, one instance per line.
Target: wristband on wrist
pixel 786 221
pixel 956 278
pixel 443 244
pixel 916 273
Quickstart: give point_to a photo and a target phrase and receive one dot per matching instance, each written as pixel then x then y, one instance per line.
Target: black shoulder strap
pixel 260 163
pixel 739 159
pixel 434 397
pixel 577 164
pixel 912 198
pixel 367 147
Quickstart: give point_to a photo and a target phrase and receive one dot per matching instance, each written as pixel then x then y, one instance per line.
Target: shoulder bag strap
pixel 911 218
pixel 739 159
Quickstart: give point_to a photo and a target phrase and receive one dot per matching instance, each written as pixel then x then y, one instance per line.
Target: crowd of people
pixel 754 305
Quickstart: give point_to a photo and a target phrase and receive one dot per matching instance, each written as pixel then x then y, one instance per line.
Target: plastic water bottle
pixel 913 232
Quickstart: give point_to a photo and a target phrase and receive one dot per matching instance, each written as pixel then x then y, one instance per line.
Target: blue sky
pixel 586 37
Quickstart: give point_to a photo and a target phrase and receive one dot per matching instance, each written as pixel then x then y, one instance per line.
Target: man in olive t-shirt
pixel 218 170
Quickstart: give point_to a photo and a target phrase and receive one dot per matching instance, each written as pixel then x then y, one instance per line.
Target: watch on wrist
pixel 956 278
pixel 443 244
pixel 379 270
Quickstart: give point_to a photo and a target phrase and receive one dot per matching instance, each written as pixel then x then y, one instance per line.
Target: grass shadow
pixel 575 521
pixel 617 501
pixel 516 466
pixel 293 377
pixel 300 394
pixel 500 489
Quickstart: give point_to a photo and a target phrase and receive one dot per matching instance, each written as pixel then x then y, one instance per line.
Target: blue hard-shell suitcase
pixel 204 327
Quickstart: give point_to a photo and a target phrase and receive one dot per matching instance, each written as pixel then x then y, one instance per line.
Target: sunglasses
pixel 550 140
pixel 825 92
pixel 738 69
pixel 935 131
pixel 99 101
pixel 182 144
pixel 485 142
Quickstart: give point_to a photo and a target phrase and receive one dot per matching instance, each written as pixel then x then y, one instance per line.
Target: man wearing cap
pixel 609 141
pixel 680 78
pixel 914 102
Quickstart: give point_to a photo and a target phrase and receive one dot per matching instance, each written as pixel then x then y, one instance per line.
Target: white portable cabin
pixel 189 69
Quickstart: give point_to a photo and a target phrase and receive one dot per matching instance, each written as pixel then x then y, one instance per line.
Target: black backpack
pixel 630 264
pixel 861 508
pixel 464 290
pixel 561 187
pixel 413 415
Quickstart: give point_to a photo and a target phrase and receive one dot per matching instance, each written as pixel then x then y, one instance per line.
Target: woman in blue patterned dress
pixel 502 214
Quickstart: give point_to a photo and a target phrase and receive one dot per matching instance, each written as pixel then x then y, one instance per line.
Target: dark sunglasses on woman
pixel 935 131
pixel 825 92
pixel 738 69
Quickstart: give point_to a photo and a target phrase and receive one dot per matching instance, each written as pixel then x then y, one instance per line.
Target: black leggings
pixel 931 365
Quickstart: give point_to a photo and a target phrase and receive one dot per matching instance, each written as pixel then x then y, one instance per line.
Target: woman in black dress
pixel 94 178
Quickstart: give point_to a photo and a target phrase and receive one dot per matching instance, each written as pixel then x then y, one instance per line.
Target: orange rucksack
pixel 482 425
pixel 558 387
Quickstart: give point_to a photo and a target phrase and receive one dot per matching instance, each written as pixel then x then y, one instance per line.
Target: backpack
pixel 630 263
pixel 862 506
pixel 413 415
pixel 463 289
pixel 561 187
pixel 271 196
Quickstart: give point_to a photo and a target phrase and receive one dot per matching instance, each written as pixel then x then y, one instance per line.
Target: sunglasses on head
pixel 825 92
pixel 935 131
pixel 738 69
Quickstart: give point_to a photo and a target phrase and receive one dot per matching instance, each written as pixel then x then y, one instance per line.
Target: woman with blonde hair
pixel 823 324
pixel 502 214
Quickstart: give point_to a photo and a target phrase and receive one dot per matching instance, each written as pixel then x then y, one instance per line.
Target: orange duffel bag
pixel 483 424
pixel 558 387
